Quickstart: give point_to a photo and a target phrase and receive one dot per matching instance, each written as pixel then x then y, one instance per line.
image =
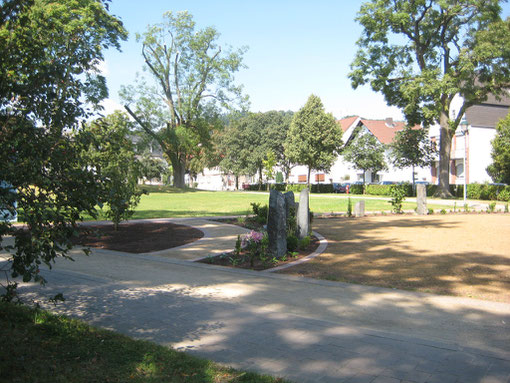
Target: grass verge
pixel 36 346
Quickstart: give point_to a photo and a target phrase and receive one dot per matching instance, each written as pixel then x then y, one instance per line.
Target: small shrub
pixel 431 211
pixel 296 188
pixel 491 208
pixel 237 250
pixel 291 221
pixel 305 242
pixel 506 208
pixel 260 212
pixel 398 193
pixel 349 207
pixel 443 211
pixel 292 243
pixel 466 208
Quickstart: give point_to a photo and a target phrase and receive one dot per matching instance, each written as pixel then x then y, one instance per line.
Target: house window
pixel 301 178
pixel 319 178
pixel 459 170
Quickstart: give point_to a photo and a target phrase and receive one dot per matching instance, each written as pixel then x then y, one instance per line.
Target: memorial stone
pixel 277 224
pixel 303 215
pixel 359 209
pixel 421 199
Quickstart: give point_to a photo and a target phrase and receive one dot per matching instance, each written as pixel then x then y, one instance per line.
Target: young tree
pixel 412 148
pixel 499 170
pixel 235 149
pixel 314 138
pixel 421 54
pixel 111 155
pixel 49 78
pixel 365 153
pixel 193 79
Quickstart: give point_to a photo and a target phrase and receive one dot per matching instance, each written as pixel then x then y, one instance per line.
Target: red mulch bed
pixel 137 237
pixel 243 262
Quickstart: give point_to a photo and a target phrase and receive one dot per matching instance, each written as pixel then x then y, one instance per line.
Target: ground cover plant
pixel 52 348
pixel 450 254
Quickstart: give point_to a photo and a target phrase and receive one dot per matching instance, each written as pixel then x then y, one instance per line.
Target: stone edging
pixel 322 246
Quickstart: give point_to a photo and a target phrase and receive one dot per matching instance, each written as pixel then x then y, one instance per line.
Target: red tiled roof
pixel 384 133
pixel 379 128
pixel 345 123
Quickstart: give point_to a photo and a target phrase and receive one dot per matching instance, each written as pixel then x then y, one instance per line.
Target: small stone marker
pixel 421 199
pixel 303 216
pixel 359 209
pixel 277 224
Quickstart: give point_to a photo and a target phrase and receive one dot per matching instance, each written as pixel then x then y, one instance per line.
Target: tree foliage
pixel 49 81
pixel 193 81
pixel 365 152
pixel 499 170
pixel 314 138
pixel 411 147
pixel 111 155
pixel 420 54
pixel 247 139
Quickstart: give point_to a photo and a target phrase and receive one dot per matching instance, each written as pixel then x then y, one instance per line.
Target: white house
pixel 475 146
pixel 341 171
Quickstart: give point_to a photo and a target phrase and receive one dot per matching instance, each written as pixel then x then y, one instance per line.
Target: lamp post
pixel 464 130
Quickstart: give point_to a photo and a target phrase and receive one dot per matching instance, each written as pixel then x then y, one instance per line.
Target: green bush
pixel 398 194
pixel 504 195
pixel 296 188
pixel 279 186
pixel 304 243
pixel 356 189
pixel 322 188
pixel 292 243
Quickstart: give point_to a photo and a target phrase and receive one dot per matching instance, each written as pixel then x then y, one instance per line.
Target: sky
pixel 295 49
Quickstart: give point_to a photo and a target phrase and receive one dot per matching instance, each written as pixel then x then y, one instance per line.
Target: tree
pixel 151 167
pixel 411 148
pixel 235 149
pixel 245 142
pixel 49 81
pixel 421 54
pixel 193 79
pixel 314 138
pixel 112 156
pixel 499 170
pixel 269 163
pixel 366 153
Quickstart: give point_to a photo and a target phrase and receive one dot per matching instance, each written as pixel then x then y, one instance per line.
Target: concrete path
pixel 304 330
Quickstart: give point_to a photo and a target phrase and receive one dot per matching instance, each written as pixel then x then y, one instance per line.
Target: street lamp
pixel 464 131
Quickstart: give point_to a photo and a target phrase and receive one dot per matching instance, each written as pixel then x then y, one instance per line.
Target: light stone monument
pixel 421 199
pixel 303 214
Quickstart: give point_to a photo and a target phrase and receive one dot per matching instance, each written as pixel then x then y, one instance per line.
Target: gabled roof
pixel 383 130
pixel 346 123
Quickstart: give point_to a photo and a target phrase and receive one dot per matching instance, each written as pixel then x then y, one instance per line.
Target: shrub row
pixel 474 191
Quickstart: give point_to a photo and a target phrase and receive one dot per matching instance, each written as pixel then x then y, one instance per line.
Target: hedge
pixel 474 191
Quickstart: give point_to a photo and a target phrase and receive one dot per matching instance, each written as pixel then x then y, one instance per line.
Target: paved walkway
pixel 304 330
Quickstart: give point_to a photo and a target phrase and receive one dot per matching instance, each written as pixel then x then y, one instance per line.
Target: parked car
pixel 387 183
pixel 340 187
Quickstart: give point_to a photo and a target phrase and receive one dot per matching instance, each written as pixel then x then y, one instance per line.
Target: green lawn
pixel 36 346
pixel 168 202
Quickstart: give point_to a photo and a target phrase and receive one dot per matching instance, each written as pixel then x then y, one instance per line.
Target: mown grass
pixel 165 202
pixel 36 346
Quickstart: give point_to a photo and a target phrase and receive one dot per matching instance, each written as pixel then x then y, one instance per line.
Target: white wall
pixel 480 153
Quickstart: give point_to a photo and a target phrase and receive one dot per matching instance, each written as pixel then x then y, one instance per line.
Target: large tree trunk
pixel 445 145
pixel 179 171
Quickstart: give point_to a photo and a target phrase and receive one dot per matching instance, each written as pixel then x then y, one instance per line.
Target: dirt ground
pixel 138 237
pixel 464 255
